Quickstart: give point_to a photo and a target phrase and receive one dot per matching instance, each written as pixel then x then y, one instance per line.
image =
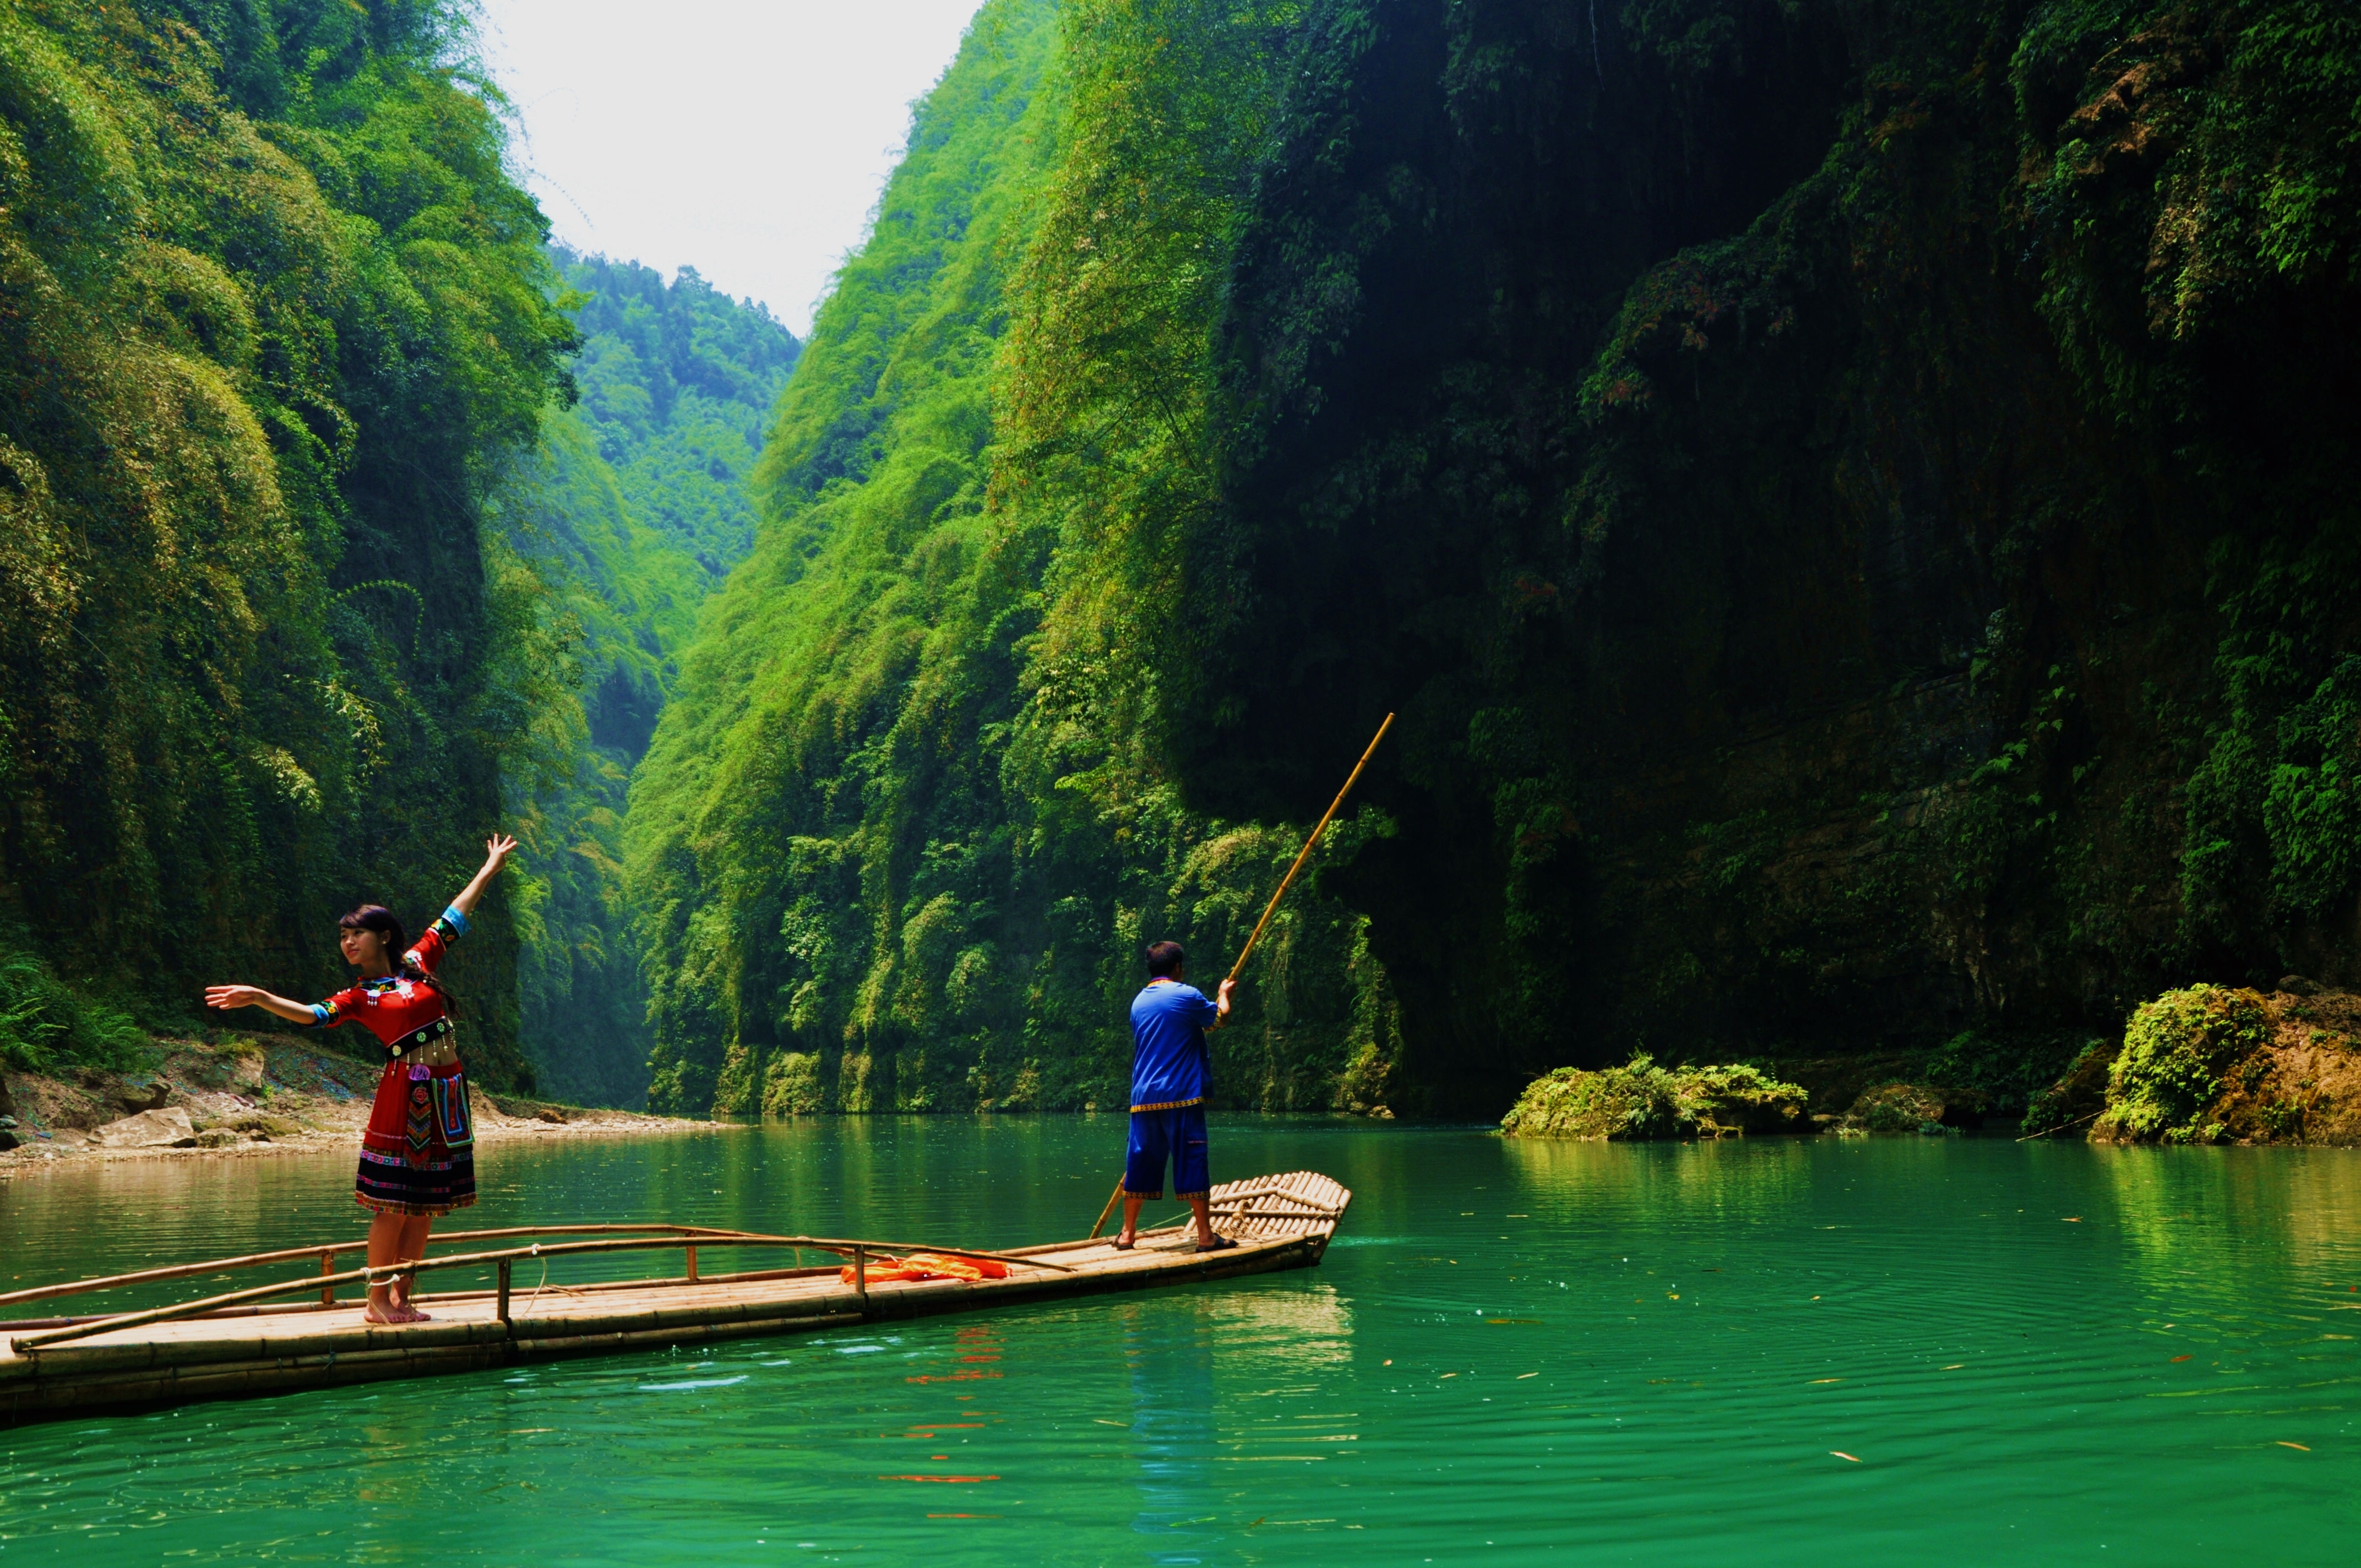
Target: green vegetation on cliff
pixel 1803 587
pixel 875 870
pixel 1807 477
pixel 1850 503
pixel 275 320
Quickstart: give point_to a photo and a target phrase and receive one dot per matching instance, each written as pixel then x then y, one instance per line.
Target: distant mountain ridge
pixel 635 510
pixel 678 382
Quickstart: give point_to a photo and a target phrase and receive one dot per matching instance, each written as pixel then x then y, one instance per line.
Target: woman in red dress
pixel 418 1158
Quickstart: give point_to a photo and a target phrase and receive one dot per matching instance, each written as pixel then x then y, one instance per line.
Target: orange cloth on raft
pixel 884 1270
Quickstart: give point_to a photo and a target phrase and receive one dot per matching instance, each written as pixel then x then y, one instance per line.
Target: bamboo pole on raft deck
pixel 1272 908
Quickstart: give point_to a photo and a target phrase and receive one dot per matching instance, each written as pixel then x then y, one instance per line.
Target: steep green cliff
pixel 872 873
pixel 272 323
pixel 1848 501
pixel 1845 498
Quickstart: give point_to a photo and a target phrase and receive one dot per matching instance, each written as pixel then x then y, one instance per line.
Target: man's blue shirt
pixel 1169 1063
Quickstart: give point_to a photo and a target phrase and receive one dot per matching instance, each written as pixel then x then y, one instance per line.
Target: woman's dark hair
pixel 377 918
pixel 1164 959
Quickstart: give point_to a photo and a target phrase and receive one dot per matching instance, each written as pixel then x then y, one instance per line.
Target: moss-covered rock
pixel 2215 1065
pixel 1640 1100
pixel 2176 1051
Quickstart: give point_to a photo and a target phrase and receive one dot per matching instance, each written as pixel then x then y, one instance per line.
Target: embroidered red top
pixel 403 1014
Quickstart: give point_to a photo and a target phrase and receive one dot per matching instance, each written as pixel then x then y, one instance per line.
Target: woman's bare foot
pixel 393 1316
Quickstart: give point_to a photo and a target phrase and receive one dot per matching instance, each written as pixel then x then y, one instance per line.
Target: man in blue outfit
pixel 1169 1067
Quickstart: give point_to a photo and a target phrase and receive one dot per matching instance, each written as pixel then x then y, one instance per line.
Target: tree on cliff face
pixel 275 323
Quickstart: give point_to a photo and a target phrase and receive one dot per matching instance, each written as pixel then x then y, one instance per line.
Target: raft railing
pixel 326 1252
pixel 503 1259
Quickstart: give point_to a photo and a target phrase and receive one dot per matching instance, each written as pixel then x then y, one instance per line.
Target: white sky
pixel 746 138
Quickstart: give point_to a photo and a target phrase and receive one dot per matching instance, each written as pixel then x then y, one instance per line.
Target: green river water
pixel 1516 1351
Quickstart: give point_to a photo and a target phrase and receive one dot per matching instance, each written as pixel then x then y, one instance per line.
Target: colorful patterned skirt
pixel 418 1154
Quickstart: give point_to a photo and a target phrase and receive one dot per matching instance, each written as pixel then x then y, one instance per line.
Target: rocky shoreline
pixel 2206 1065
pixel 250 1096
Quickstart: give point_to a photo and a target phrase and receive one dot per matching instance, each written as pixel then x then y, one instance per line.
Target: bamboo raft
pixel 241 1343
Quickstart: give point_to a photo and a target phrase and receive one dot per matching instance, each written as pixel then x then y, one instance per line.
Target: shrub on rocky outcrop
pixel 2214 1064
pixel 1640 1100
pixel 2176 1051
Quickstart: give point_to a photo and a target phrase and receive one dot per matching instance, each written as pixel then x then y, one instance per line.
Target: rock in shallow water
pixel 167 1128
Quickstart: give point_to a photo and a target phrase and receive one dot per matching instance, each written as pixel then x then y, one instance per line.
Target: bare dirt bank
pixel 250 1096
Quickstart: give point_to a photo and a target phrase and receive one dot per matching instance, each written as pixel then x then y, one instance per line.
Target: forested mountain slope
pixel 1848 501
pixel 638 506
pixel 275 320
pixel 868 879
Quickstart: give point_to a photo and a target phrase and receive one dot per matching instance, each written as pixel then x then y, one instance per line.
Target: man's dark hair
pixel 1164 959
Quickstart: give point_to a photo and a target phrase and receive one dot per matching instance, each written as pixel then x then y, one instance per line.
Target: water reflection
pixel 1692 1184
pixel 1201 1442
pixel 1524 1352
pixel 1169 1354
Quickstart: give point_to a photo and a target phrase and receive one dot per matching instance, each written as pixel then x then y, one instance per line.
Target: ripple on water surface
pixel 1765 1351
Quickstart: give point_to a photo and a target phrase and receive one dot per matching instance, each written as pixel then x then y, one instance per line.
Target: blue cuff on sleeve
pixel 458 921
pixel 319 1014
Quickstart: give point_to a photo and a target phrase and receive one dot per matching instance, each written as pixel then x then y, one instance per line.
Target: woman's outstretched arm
pixel 226 997
pixel 496 855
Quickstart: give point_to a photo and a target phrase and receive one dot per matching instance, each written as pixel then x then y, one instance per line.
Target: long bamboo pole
pixel 1272 908
pixel 1305 853
pixel 2064 1125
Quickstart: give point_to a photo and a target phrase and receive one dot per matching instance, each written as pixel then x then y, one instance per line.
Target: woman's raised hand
pixel 497 849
